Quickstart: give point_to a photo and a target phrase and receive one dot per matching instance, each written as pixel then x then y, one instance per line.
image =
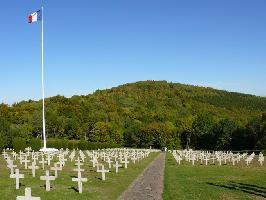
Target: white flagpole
pixel 43 108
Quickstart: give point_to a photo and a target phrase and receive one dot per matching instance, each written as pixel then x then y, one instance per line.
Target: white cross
pixel 79 180
pixel 134 159
pixel 72 155
pixel 20 157
pixel 33 168
pixel 109 161
pixel 103 156
pixel 193 160
pixel 11 166
pixel 55 169
pixel 42 162
pixel 178 159
pixel 78 162
pixel 49 158
pixel 213 159
pixel 103 172
pixel 261 159
pixel 78 165
pixel 82 157
pixel 125 162
pixel 62 160
pixel 34 157
pixel 47 178
pixel 248 161
pixel 60 167
pixel 225 160
pixel 117 165
pixel 233 160
pixel 5 155
pixel 98 166
pixel 26 161
pixel 206 160
pixel 261 162
pixel 219 159
pixel 27 195
pixel 14 154
pixel 17 176
pixel 94 161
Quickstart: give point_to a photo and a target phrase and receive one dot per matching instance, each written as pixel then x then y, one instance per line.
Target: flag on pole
pixel 36 16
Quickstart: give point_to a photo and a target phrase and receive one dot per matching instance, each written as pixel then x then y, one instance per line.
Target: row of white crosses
pixel 23 158
pixel 96 157
pixel 79 179
pixel 30 160
pixel 206 157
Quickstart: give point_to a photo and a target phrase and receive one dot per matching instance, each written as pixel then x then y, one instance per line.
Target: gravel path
pixel 149 184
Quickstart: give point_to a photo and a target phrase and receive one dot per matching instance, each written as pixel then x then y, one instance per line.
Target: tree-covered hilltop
pixel 143 114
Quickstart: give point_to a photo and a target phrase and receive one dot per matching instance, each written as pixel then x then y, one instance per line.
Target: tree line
pixel 143 114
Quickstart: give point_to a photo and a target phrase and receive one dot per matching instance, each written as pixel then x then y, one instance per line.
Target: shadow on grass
pixel 243 187
pixel 73 188
pixel 21 185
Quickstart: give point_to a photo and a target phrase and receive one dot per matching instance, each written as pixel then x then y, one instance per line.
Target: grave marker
pixel 27 195
pixel 47 178
pixel 33 168
pixel 103 171
pixel 17 176
pixel 79 180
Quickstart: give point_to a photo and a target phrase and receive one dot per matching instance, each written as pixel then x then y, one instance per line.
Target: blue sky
pixel 99 44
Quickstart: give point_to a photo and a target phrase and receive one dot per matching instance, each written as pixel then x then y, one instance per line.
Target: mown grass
pixel 63 188
pixel 213 182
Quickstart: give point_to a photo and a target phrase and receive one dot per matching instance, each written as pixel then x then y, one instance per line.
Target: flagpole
pixel 43 106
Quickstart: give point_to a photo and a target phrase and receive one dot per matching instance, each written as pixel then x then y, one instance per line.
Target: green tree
pixel 132 134
pixel 184 127
pixel 35 144
pixel 223 131
pixel 73 129
pixel 101 132
pixel 5 133
pixel 19 144
pixel 202 131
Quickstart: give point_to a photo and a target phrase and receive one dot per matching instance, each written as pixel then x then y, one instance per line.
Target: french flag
pixel 36 16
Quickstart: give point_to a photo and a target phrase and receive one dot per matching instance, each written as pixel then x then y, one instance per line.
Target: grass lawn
pixel 213 182
pixel 63 188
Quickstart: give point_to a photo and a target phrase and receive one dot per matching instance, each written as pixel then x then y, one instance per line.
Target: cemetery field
pixel 63 188
pixel 213 182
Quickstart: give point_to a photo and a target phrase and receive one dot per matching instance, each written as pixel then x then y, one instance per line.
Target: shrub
pixel 19 144
pixel 92 146
pixel 64 143
pixel 35 144
pixel 58 144
pixel 72 144
pixel 79 144
pixel 50 143
pixel 98 145
pixel 83 145
pixel 55 143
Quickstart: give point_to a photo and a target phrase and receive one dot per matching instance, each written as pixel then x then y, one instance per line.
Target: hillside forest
pixel 144 114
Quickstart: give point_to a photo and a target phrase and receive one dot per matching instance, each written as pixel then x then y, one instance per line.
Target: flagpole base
pixel 49 150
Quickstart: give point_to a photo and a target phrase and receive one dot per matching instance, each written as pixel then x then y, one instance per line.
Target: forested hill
pixel 169 101
pixel 136 113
